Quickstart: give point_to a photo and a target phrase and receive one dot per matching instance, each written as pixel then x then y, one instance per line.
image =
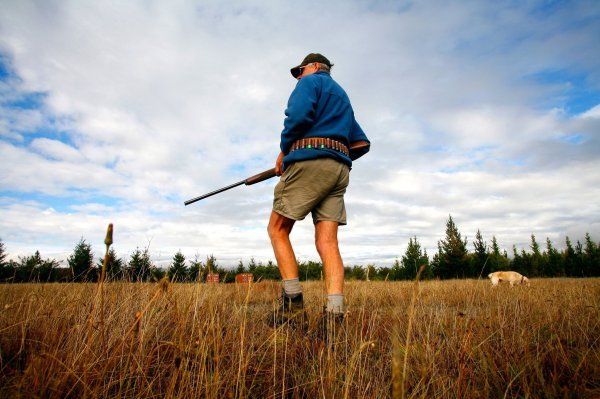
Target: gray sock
pixel 335 303
pixel 292 286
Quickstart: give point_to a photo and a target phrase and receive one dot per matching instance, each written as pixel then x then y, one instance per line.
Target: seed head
pixel 109 236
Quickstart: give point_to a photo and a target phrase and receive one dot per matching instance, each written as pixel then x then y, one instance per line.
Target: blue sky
pixel 117 113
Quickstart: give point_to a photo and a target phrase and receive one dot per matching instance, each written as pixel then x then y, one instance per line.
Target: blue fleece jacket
pixel 319 107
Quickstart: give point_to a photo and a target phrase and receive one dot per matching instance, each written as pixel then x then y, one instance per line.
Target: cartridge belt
pixel 320 143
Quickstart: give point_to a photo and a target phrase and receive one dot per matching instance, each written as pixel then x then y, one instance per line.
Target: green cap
pixel 309 59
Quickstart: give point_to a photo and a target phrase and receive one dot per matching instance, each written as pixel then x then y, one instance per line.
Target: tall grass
pixel 465 340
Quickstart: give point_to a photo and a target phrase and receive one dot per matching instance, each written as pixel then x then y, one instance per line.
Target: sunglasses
pixel 302 67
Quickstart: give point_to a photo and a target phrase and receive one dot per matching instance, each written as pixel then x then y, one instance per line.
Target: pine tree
pixel 535 264
pixel 178 271
pixel 240 268
pixel 554 266
pixel 26 267
pixel 114 267
pixel 591 252
pixel 306 270
pixel 5 270
pixel 156 274
pixel 370 272
pixel 211 264
pixel 196 267
pixel 453 261
pixel 272 271
pixel 413 259
pixel 497 261
pixel 580 256
pixel 46 270
pixel 495 247
pixel 480 257
pixel 436 262
pixel 569 258
pixel 140 265
pixel 3 254
pixel 34 268
pixel 357 273
pixel 397 272
pixel 384 273
pixel 428 272
pixel 252 266
pixel 518 263
pixel 81 262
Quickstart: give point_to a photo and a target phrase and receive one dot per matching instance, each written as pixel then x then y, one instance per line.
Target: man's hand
pixel 279 164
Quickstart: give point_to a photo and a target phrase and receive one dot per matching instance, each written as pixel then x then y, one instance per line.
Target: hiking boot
pixel 290 311
pixel 331 326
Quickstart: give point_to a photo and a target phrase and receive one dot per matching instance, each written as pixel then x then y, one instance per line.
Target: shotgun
pixel 262 176
pixel 356 150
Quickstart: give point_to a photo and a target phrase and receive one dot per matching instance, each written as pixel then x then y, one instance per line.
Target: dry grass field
pixel 434 339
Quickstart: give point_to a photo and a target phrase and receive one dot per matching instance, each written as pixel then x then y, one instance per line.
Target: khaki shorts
pixel 316 186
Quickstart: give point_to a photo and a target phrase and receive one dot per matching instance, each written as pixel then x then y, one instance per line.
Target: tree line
pixel 452 260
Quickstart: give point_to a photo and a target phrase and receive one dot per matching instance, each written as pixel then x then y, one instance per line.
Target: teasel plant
pixel 108 242
pixel 96 322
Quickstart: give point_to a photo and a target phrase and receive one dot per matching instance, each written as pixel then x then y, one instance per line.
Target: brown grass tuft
pixel 448 339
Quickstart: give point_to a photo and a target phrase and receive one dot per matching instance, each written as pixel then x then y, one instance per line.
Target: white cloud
pixel 592 113
pixel 155 103
pixel 57 150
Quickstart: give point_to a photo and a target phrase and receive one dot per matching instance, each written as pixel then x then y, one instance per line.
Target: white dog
pixel 511 277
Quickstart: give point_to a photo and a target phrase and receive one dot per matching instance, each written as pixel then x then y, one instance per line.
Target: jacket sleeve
pixel 300 112
pixel 357 135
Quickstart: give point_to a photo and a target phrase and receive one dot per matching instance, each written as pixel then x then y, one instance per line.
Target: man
pixel 314 165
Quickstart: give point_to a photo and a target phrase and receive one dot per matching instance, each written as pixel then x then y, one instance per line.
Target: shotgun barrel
pixel 262 176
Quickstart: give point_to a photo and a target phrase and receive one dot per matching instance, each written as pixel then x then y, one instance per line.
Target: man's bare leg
pixel 327 246
pixel 291 310
pixel 279 230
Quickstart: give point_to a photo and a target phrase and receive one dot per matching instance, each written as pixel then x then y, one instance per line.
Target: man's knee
pixel 326 243
pixel 279 226
pixel 271 227
pixel 274 231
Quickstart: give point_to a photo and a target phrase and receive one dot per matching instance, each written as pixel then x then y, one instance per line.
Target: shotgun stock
pixel 356 150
